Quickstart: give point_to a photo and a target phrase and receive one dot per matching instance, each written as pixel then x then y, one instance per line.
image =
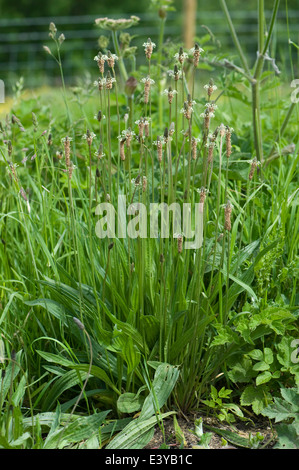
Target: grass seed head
pixel 180 243
pixel 111 58
pixel 122 149
pixel 252 168
pixel 148 48
pixel 227 216
pixel 196 51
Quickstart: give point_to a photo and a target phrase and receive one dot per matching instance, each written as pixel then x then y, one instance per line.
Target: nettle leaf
pixel 224 393
pixel 257 397
pixel 225 335
pixel 288 436
pixel 276 318
pixel 291 395
pixel 242 371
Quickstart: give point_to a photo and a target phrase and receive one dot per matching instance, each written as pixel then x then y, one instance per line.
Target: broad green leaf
pixel 268 356
pixel 262 365
pixel 131 355
pixel 137 433
pixel 257 397
pixel 66 381
pixel 76 431
pixel 150 325
pixel 288 436
pixel 242 371
pixel 231 436
pixel 164 381
pixel 256 354
pixel 20 392
pixel 95 370
pixel 263 378
pixel 129 403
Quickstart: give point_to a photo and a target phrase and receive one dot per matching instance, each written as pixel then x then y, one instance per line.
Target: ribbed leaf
pixel 78 430
pixel 95 370
pixel 164 381
pixel 136 434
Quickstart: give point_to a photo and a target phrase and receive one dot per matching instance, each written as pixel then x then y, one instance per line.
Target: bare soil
pixel 186 423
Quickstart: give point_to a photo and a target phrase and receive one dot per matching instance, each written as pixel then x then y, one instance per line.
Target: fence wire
pixel 22 41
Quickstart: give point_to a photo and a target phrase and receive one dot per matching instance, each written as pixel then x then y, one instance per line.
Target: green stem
pixel 159 61
pixel 121 64
pixel 235 37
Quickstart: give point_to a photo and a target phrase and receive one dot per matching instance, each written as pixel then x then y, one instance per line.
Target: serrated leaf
pixel 129 403
pixel 256 354
pixel 242 371
pixel 281 409
pixel 288 436
pixel 255 397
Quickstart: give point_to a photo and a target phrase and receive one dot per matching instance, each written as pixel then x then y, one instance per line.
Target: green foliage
pixel 224 411
pixel 139 432
pixel 253 442
pixel 285 410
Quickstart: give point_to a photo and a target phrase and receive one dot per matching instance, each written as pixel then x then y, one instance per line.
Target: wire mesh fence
pixel 22 41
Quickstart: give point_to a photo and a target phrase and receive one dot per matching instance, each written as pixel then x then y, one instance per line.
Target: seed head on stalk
pixel 254 164
pixel 203 195
pixel 170 94
pixel 181 56
pixel 227 216
pixel 122 148
pixel 67 149
pixel 148 82
pixel 176 73
pixel 194 142
pixel 89 136
pixel 159 143
pixel 101 59
pixel 148 48
pixel 210 88
pixel 109 81
pixel 228 135
pixel 144 183
pixel 196 51
pixel 180 243
pixel 111 58
pixel 141 123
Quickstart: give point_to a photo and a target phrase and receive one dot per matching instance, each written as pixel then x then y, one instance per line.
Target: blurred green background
pixel 24 30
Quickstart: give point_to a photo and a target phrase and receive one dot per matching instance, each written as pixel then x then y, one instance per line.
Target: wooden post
pixel 189 22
